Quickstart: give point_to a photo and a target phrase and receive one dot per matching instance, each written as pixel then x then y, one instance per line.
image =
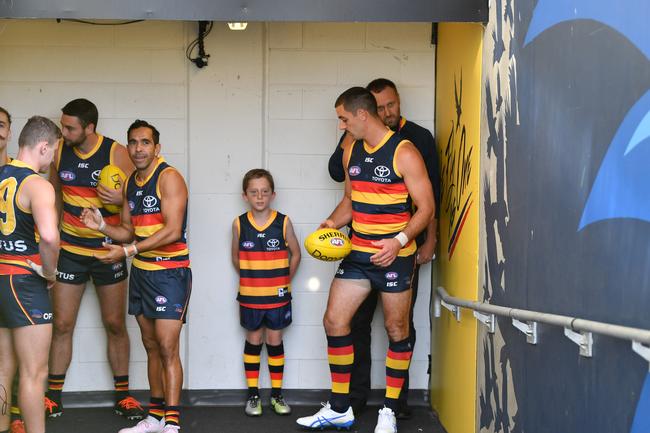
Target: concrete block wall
pixel 266 99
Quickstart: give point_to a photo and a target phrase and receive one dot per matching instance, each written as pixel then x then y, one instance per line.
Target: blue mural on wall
pixel 567 136
pixel 621 186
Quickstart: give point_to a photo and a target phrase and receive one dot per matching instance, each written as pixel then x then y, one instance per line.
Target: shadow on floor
pixel 232 420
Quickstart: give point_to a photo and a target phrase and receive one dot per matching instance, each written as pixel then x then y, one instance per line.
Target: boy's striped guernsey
pixel 263 262
pixel 381 205
pixel 78 176
pixel 146 217
pixel 18 237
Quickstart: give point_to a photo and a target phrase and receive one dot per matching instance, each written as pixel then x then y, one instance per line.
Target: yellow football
pixel 111 177
pixel 328 245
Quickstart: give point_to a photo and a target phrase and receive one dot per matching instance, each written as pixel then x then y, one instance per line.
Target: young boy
pixel 265 251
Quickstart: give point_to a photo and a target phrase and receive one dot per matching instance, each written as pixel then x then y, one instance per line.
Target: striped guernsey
pixel 263 262
pixel 381 205
pixel 146 217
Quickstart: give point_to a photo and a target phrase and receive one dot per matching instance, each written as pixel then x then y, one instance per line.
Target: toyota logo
pixel 273 243
pixel 95 175
pixel 382 171
pixel 149 201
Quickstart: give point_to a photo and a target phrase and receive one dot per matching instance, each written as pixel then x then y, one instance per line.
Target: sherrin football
pixel 111 177
pixel 328 245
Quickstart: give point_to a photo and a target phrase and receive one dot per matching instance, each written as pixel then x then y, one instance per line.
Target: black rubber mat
pixel 232 420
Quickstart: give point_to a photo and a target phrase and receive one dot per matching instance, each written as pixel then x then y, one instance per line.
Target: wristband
pixel 102 226
pixel 402 238
pixel 132 253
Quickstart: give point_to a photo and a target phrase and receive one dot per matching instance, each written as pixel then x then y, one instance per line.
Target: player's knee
pixel 397 329
pixel 150 344
pixel 334 325
pixel 115 327
pixel 168 351
pixel 62 326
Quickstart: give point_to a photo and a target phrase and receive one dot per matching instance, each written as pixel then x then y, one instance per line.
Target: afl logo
pixel 355 170
pixel 337 242
pixel 391 275
pixel 273 243
pixel 161 300
pixel 248 244
pixel 382 171
pixel 131 205
pixel 67 176
pixel 149 201
pixel 95 175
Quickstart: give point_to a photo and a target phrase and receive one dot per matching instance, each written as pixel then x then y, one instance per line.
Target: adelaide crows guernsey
pixel 78 176
pixel 146 217
pixel 381 205
pixel 263 262
pixel 18 237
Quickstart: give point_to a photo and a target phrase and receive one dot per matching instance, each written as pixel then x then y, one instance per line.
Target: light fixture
pixel 237 26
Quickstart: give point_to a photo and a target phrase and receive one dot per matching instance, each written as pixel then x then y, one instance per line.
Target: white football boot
pixel 386 421
pixel 327 418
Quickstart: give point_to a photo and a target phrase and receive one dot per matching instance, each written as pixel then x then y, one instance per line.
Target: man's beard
pixel 69 143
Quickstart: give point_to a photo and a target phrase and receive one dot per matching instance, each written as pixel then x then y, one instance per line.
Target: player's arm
pixel 120 158
pixel 336 167
pixel 342 214
pixel 56 184
pixel 426 251
pixel 122 233
pixel 173 202
pixel 294 249
pixel 411 166
pixel 234 244
pixel 38 194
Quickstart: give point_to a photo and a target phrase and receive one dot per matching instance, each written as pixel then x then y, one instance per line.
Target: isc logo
pixel 261 235
pixel 391 284
pixel 47 316
pixel 161 308
pixel 83 165
pixel 369 159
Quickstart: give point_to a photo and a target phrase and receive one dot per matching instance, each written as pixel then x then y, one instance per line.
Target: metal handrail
pixel 578 330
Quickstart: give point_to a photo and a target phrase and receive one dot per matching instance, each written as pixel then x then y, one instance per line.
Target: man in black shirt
pixel 388 108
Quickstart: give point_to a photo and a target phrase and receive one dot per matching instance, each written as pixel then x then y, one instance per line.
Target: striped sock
pixel 276 367
pixel 157 407
pixel 173 415
pixel 121 384
pixel 252 367
pixel 15 410
pixel 398 359
pixel 55 386
pixel 340 354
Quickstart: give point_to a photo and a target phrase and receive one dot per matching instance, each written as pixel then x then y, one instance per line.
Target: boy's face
pixel 258 194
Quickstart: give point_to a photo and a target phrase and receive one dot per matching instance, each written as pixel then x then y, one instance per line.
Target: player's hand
pixel 386 255
pixel 327 224
pixel 51 279
pixel 92 218
pixel 109 195
pixel 114 254
pixel 425 253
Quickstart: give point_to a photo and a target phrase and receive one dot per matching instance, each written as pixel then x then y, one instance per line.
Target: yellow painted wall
pixel 458 106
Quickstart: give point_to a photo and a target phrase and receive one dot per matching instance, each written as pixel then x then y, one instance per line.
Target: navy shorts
pixel 395 278
pixel 77 269
pixel 253 319
pixel 24 301
pixel 162 294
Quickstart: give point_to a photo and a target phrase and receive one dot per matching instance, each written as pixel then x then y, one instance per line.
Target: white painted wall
pixel 266 99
